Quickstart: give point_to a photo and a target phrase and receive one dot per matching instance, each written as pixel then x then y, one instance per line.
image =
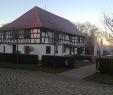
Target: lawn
pixel 34 67
pixel 101 78
pixel 39 67
pixel 79 63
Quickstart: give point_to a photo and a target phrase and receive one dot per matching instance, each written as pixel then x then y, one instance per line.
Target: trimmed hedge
pixel 21 58
pixel 60 61
pixel 105 65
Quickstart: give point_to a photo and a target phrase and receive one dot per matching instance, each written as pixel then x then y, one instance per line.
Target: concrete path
pixel 20 82
pixel 80 72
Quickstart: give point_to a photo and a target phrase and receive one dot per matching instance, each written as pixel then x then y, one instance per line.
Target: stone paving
pixel 80 72
pixel 20 82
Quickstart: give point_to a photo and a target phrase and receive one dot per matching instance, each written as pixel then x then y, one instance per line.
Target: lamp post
pixel 17 51
pixel 54 56
pixel 17 46
pixel 56 40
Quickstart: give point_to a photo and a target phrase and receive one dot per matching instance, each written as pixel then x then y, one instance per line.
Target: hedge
pixel 18 58
pixel 105 65
pixel 58 61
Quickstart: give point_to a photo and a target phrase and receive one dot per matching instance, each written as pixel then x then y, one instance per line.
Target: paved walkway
pixel 18 82
pixel 80 72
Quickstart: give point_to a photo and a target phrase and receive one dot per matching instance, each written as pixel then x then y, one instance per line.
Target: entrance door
pixel 70 51
pixel 4 49
pixel 14 49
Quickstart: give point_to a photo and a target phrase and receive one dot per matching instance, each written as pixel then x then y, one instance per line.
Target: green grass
pixel 39 67
pixel 34 67
pixel 101 78
pixel 79 64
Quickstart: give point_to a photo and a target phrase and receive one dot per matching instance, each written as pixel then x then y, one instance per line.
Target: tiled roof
pixel 37 18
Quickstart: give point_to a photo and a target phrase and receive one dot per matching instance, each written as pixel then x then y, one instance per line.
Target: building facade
pixel 40 32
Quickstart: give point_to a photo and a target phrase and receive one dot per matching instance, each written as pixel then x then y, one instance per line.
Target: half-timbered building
pixel 42 33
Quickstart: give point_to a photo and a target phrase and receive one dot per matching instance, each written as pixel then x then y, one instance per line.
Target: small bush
pixel 60 61
pixel 21 58
pixel 28 59
pixel 105 65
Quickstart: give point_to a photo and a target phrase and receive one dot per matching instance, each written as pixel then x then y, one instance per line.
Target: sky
pixel 73 10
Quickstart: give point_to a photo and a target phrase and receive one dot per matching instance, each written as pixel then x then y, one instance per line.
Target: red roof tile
pixel 37 17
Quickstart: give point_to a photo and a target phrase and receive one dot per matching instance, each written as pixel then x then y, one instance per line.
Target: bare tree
pixel 107 21
pixel 87 28
pixel 91 31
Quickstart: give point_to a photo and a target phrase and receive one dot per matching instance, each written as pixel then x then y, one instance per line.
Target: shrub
pixel 21 58
pixel 105 65
pixel 28 59
pixel 60 61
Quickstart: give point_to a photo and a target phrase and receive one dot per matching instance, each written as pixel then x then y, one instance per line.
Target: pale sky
pixel 73 10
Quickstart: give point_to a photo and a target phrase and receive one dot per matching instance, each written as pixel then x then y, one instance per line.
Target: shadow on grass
pixel 34 67
pixel 40 67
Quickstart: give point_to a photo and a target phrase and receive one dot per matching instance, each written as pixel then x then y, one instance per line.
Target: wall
pixel 38 49
pixel 8 48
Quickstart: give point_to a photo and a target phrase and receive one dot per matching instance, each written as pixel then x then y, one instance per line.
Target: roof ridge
pixel 51 13
pixel 37 16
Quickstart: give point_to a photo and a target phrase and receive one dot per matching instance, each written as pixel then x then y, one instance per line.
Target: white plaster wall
pixel 40 49
pixel 37 49
pixel 1 48
pixel 60 51
pixel 8 48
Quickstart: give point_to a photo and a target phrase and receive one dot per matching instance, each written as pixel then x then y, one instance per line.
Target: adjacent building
pixel 42 33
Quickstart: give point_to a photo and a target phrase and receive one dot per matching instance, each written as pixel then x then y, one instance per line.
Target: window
pixel 21 33
pixel 43 34
pixel 83 40
pixel 60 36
pixel 64 49
pixel 14 48
pixel 43 40
pixel 27 34
pixel 78 40
pixel 70 39
pixel 67 37
pixel 15 35
pixel 48 49
pixel 56 49
pixel 73 49
pixel 4 35
pixel 56 36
